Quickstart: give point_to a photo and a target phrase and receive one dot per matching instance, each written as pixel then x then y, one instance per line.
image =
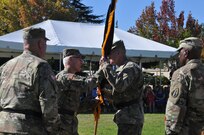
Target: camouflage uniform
pixel 70 91
pixel 28 97
pixel 127 84
pixel 185 106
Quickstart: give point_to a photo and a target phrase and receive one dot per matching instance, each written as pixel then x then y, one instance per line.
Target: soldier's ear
pixel 40 45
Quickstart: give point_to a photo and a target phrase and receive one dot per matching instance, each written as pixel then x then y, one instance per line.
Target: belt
pixel 65 111
pixel 125 104
pixel 26 112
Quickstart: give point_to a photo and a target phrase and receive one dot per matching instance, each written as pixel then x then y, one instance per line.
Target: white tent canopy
pixel 88 39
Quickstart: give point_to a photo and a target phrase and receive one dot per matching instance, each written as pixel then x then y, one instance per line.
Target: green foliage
pixel 17 14
pixel 155 80
pixel 9 16
pixel 84 13
pixel 153 124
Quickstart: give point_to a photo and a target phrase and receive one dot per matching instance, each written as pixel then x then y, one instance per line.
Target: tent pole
pixel 140 62
pixel 60 62
pixel 160 72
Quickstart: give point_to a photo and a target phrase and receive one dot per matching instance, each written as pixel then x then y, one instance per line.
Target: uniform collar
pixel 194 61
pixel 27 52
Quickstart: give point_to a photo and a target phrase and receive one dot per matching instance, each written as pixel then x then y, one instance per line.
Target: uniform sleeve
pixel 62 82
pixel 121 79
pixel 99 76
pixel 91 82
pixel 86 83
pixel 1 68
pixel 48 98
pixel 177 104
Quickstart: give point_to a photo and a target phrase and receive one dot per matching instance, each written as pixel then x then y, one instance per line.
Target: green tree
pixel 8 16
pixel 84 13
pixel 17 14
pixel 202 37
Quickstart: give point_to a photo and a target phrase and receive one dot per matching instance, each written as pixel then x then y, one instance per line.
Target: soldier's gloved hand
pixel 99 75
pixel 103 62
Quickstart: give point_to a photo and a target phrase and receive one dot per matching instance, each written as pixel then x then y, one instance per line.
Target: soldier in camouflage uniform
pixel 71 86
pixel 28 90
pixel 185 106
pixel 127 84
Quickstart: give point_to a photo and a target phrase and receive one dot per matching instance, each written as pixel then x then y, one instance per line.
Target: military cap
pixel 34 33
pixel 118 44
pixel 72 52
pixel 189 43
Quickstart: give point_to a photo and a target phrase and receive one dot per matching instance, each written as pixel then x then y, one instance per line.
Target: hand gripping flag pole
pixel 105 50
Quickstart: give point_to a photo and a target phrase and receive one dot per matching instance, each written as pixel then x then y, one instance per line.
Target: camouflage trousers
pixel 69 125
pixel 130 129
pixel 192 128
pixel 20 124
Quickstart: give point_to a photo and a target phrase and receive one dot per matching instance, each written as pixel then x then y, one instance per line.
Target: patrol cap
pixel 72 52
pixel 118 44
pixel 34 33
pixel 189 43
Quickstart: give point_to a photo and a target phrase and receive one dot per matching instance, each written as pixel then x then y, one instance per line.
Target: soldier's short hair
pixel 34 33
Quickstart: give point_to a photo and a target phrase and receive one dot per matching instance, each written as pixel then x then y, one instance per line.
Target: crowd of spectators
pixel 155 98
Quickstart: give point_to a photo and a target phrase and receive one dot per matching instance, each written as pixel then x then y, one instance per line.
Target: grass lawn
pixel 153 125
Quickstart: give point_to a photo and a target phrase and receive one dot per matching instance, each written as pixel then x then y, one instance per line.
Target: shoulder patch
pixel 175 93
